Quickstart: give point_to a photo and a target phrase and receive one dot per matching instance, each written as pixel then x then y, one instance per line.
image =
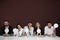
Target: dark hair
pixel 38 22
pixel 29 22
pixel 6 20
pixel 18 24
pixel 48 21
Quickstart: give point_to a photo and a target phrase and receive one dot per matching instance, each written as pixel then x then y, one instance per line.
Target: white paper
pixel 38 31
pixel 56 25
pixel 6 30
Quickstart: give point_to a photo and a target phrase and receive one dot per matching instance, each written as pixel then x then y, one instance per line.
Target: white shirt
pixel 17 32
pixel 20 32
pixel 6 29
pixel 28 32
pixel 49 30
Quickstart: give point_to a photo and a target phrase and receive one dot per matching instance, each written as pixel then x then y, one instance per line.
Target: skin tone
pixel 29 25
pixel 19 26
pixel 37 26
pixel 6 23
pixel 49 26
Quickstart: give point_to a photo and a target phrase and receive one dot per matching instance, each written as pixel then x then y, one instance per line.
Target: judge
pixel 49 30
pixel 6 29
pixel 37 29
pixel 28 30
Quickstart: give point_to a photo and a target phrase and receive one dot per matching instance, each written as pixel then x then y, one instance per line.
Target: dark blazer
pixel 35 30
pixel 3 28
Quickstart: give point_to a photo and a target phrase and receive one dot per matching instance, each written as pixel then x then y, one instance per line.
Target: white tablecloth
pixel 29 38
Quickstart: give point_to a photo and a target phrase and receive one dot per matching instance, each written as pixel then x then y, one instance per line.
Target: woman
pixel 18 30
pixel 37 29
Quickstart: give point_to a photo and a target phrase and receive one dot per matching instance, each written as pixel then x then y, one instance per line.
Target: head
pixel 6 23
pixel 49 24
pixel 18 26
pixel 37 24
pixel 29 24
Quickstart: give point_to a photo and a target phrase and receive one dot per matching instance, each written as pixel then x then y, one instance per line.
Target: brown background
pixel 23 11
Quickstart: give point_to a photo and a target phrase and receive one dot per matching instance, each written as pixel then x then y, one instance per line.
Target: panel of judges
pixel 28 30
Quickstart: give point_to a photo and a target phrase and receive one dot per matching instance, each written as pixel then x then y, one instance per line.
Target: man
pixel 28 29
pixel 49 30
pixel 6 29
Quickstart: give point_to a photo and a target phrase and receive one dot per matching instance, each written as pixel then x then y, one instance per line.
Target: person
pixel 19 30
pixel 37 29
pixel 6 29
pixel 28 30
pixel 49 30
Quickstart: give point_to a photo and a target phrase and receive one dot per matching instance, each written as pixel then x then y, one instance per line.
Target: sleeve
pixel 45 30
pixel 2 31
pixel 10 30
pixel 35 31
pixel 32 29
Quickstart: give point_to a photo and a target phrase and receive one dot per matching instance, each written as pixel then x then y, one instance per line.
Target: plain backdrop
pixel 23 11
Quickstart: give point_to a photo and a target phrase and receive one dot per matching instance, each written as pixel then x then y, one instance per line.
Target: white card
pixel 56 25
pixel 38 31
pixel 6 30
pixel 15 30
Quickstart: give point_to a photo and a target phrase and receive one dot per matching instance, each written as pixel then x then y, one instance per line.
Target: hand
pixel 5 34
pixel 49 35
pixel 34 34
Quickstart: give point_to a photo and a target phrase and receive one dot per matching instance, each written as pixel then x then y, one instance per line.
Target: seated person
pixel 6 30
pixel 18 30
pixel 28 30
pixel 37 29
pixel 49 30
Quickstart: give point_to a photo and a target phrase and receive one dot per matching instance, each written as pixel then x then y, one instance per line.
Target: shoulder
pixel 52 27
pixel 32 27
pixel 25 26
pixel 2 27
pixel 46 26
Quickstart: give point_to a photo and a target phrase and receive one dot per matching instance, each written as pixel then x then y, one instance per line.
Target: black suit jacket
pixel 35 30
pixel 3 28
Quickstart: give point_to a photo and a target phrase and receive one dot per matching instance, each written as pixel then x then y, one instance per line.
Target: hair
pixel 37 22
pixel 6 21
pixel 48 21
pixel 18 24
pixel 29 22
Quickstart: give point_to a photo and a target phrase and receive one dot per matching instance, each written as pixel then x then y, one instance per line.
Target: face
pixel 18 26
pixel 49 25
pixel 37 24
pixel 29 24
pixel 6 23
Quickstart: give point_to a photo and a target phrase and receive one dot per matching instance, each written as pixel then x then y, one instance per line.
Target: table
pixel 29 38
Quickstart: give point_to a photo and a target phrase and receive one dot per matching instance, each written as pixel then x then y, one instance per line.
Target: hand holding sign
pixel 38 31
pixel 6 30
